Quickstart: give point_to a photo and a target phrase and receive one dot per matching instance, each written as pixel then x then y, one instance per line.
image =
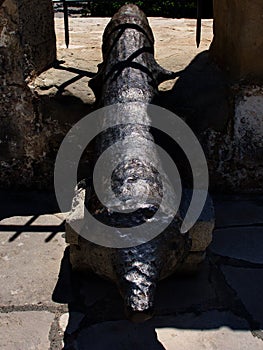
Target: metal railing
pixel 68 2
pixel 65 4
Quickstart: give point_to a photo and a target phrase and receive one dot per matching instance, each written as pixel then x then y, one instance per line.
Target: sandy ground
pixel 175 48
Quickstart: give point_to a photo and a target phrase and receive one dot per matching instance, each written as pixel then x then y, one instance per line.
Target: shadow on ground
pixel 198 302
pixel 27 202
pixel 209 300
pixel 62 106
pixel 226 291
pixel 200 95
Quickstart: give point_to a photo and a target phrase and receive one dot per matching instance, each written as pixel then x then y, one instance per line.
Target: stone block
pixel 75 218
pixel 27 47
pixel 34 34
pixel 29 266
pixel 248 284
pixel 25 330
pixel 238 42
pixel 235 155
pixel 244 243
pixel 201 232
pixel 211 330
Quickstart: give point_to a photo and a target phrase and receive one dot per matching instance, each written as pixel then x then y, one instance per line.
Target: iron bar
pixel 199 22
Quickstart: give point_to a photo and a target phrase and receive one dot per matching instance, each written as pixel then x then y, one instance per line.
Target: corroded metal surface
pixel 129 73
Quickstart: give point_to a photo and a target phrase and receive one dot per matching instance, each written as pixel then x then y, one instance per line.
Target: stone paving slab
pixel 244 243
pixel 179 293
pixel 29 265
pixel 174 294
pixel 29 271
pixel 248 284
pixel 25 330
pixel 238 210
pixel 210 330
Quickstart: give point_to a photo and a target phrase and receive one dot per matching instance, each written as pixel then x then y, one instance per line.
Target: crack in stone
pixel 256 224
pixel 225 260
pixel 235 304
pixel 24 308
pixel 226 300
pixel 56 334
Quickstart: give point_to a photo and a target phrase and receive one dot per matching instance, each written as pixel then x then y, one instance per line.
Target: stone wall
pixel 238 39
pixel 227 113
pixel 235 153
pixel 27 47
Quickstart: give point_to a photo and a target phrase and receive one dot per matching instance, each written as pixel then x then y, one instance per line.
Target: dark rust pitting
pixel 128 74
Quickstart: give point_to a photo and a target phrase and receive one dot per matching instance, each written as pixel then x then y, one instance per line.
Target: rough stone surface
pixel 235 154
pixel 27 47
pixel 75 218
pixel 192 262
pixel 238 42
pixel 248 284
pixel 38 34
pixel 35 26
pixel 25 330
pixel 200 233
pixel 29 265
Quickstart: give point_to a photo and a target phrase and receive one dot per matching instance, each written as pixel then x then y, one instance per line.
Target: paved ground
pixel 79 62
pixel 219 308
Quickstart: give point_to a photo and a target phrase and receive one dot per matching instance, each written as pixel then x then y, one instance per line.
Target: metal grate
pixel 65 12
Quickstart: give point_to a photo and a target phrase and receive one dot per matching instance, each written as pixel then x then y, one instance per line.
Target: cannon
pixel 128 79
